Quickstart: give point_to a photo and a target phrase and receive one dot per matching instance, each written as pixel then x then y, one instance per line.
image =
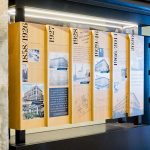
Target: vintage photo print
pixel 58 60
pixel 24 72
pixel 34 55
pixel 32 101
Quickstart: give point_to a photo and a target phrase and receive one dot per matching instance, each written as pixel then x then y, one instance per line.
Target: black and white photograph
pixel 24 73
pixel 58 60
pixel 32 101
pixel 58 77
pixel 34 55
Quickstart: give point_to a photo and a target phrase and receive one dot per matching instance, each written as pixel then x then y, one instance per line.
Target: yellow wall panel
pixel 26 75
pixel 80 74
pixel 57 75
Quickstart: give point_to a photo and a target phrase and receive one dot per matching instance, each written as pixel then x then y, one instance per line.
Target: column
pixel 3 75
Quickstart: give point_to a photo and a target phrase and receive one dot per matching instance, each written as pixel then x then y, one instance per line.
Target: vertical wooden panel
pixel 26 80
pixel 80 75
pixel 57 75
pixel 136 71
pixel 119 75
pixel 101 75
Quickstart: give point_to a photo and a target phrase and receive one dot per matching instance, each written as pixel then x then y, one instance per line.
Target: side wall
pixel 3 75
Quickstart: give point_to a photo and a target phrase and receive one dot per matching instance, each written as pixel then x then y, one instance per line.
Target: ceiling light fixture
pixel 73 18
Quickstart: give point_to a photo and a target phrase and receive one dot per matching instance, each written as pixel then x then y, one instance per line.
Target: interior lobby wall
pixel 3 75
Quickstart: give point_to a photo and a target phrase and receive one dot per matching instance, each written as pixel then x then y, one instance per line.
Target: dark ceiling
pixel 138 6
pixel 129 10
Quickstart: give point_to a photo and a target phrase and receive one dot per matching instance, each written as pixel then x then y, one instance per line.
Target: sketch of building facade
pixel 119 109
pixel 101 82
pixel 102 66
pixel 135 104
pixel 81 73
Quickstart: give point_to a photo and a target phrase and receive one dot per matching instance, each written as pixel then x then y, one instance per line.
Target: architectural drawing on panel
pixel 116 87
pixel 101 82
pixel 102 66
pixel 33 101
pixel 119 109
pixel 123 74
pixel 81 73
pixel 82 105
pixel 134 104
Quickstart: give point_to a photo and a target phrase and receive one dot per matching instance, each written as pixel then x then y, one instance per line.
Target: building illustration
pixel 33 103
pixel 116 87
pixel 59 62
pixel 82 105
pixel 119 109
pixel 135 104
pixel 123 74
pixel 102 66
pixel 81 73
pixel 101 82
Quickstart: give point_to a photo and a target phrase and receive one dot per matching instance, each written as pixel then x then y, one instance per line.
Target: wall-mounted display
pixel 119 75
pixel 80 75
pixel 57 74
pixel 60 75
pixel 26 75
pixel 136 74
pixel 101 90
